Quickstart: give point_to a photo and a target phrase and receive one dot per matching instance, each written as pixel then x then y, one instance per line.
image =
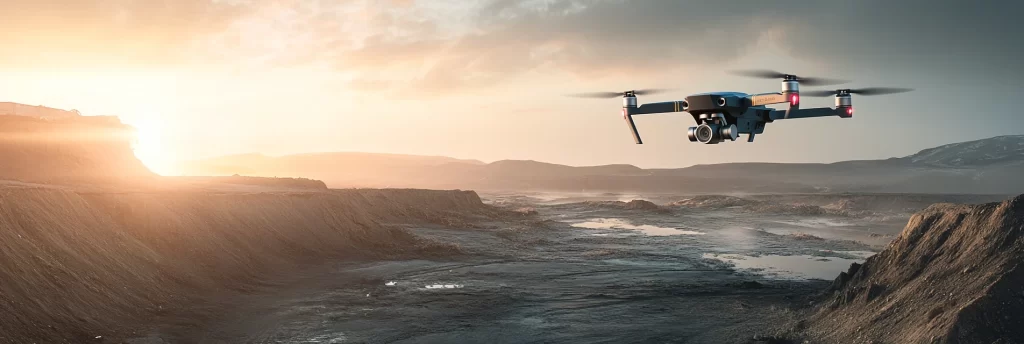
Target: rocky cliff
pixel 954 275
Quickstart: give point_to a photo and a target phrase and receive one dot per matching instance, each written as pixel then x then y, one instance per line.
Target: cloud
pixel 55 33
pixel 452 45
pixel 944 37
pixel 648 37
pixel 509 38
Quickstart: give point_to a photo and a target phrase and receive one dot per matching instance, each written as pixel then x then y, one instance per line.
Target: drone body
pixel 723 116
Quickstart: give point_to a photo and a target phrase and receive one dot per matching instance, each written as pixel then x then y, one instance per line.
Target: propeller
pixel 870 91
pixel 619 94
pixel 770 74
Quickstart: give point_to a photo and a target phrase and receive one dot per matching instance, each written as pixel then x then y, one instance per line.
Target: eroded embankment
pixel 77 265
pixel 954 275
pixel 452 208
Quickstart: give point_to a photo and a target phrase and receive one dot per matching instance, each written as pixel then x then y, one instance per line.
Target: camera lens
pixel 704 133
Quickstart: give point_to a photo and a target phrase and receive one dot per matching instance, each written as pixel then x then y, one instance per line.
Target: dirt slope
pixel 954 275
pixel 75 265
pixel 455 208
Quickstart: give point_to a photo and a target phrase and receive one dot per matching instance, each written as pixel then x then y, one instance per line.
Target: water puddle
pixel 858 254
pixel 444 286
pixel 641 263
pixel 553 198
pixel 789 267
pixel 330 339
pixel 611 223
pixel 816 223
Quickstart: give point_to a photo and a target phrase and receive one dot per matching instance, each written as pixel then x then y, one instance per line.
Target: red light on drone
pixel 795 99
pixel 849 111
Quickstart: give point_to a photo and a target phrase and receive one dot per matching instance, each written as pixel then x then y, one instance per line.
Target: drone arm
pixel 662 107
pixel 768 98
pixel 805 113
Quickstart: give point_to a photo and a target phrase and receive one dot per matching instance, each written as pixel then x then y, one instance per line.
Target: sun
pixel 148 145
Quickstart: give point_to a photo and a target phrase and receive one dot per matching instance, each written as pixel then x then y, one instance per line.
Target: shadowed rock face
pixel 954 275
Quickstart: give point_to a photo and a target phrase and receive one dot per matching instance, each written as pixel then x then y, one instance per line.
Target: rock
pixel 931 277
pixel 526 211
pixel 874 291
pixel 641 204
pixel 751 285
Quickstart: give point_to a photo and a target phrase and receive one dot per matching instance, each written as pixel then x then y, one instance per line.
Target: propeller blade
pixel 650 91
pixel 877 91
pixel 596 95
pixel 869 91
pixel 818 93
pixel 820 81
pixel 759 73
pixel 771 74
pixel 619 94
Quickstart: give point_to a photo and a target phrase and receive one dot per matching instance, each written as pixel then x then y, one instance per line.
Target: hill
pixel 81 265
pixel 1000 150
pixel 357 169
pixel 954 275
pixel 96 247
pixel 990 166
pixel 64 149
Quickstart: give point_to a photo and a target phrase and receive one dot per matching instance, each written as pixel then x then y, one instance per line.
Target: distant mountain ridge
pixel 996 150
pixel 988 166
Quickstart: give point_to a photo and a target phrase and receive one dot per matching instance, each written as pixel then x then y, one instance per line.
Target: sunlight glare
pixel 148 145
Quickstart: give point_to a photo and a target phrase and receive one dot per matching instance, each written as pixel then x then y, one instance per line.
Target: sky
pixel 487 79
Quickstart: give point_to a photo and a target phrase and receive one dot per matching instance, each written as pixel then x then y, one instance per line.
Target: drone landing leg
pixel 626 115
pixel 750 137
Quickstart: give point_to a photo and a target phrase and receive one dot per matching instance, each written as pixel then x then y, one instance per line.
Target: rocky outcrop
pixel 712 202
pixel 954 275
pixel 636 204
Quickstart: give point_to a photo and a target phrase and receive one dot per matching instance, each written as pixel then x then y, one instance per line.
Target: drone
pixel 723 116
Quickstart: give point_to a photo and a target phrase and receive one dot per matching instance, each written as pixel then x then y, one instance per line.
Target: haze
pixel 484 79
